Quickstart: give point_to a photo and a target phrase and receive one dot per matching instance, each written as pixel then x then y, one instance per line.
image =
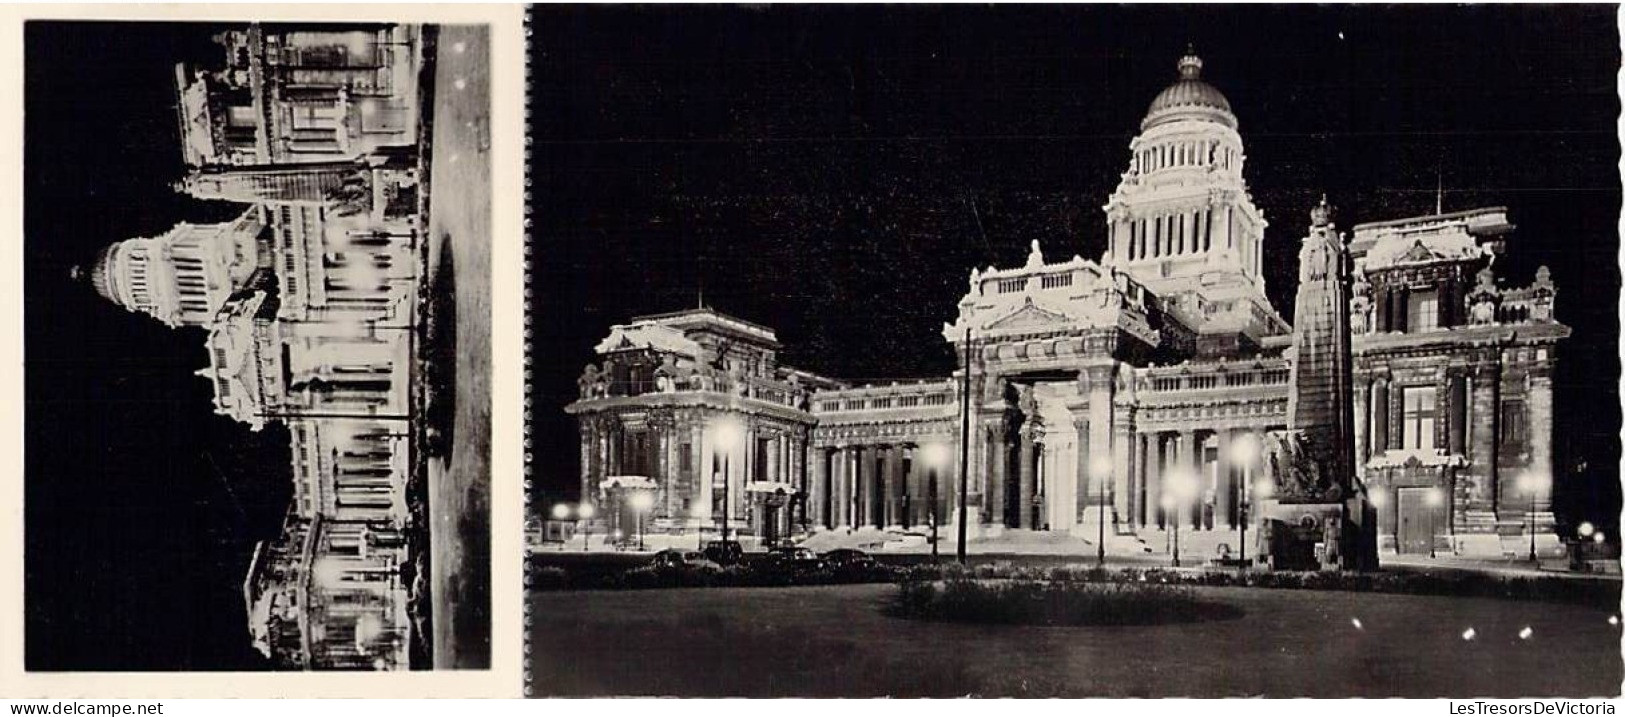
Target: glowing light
pixel 935 454
pixel 1244 449
pixel 642 501
pixel 1434 497
pixel 1264 489
pixel 1600 537
pixel 728 434
pixel 1613 620
pixel 1525 632
pixel 459 46
pixel 459 83
pixel 1182 484
pixel 1587 529
pixel 586 511
pixel 561 511
pixel 1357 624
pixel 1469 634
pixel 1100 467
pixel 1531 482
pixel 1379 498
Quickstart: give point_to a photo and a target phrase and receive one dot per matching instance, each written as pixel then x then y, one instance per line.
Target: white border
pixel 507 89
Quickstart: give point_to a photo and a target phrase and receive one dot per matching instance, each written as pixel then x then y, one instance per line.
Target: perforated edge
pixel 525 524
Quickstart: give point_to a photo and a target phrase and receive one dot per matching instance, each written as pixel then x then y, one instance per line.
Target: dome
pixel 101 277
pixel 1189 98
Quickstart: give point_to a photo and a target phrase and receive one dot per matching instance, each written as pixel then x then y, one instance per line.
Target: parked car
pixel 674 559
pixel 848 561
pixel 724 552
pixel 792 560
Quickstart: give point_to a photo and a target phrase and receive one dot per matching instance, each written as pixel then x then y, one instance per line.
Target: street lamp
pixel 1181 490
pixel 1099 470
pixel 935 454
pixel 561 511
pixel 1379 501
pixel 1170 507
pixel 728 438
pixel 1434 499
pixel 642 501
pixel 1244 451
pixel 585 513
pixel 1531 483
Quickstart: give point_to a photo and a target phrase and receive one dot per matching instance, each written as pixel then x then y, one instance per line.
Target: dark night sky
pixel 141 505
pixel 814 167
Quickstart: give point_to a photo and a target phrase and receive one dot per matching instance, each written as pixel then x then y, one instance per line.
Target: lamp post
pixel 1244 451
pixel 561 512
pixel 1531 483
pixel 642 501
pixel 584 513
pixel 1181 490
pixel 1100 468
pixel 1263 489
pixel 728 435
pixel 1435 498
pixel 935 455
pixel 964 448
pixel 1171 506
pixel 1379 501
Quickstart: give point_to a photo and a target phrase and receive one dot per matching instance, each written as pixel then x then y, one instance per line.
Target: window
pixel 1419 417
pixel 1513 425
pixel 1423 310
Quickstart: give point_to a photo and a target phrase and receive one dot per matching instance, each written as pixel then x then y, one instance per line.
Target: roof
pixel 1189 98
pixel 648 336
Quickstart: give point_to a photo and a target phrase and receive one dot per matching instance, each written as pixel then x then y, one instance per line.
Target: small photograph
pixel 257 346
pixel 1074 351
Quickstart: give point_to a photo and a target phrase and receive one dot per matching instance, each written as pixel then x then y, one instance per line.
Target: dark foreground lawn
pixel 837 641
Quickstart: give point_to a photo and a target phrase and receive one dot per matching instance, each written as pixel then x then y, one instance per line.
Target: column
pixel 1379 415
pixel 1456 408
pixel 1026 476
pixel 1085 496
pixel 1224 494
pixel 704 475
pixel 1189 463
pixel 1362 421
pixel 1100 428
pixel 1538 432
pixel 816 489
pixel 1122 463
pixel 1157 445
pixel 1141 496
pixel 875 498
pixel 589 440
pixel 1486 443
pixel 997 458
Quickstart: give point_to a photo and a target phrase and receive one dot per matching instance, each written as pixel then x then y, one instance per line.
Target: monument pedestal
pixel 1318 536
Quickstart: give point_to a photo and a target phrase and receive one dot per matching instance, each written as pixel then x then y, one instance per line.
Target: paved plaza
pixel 834 641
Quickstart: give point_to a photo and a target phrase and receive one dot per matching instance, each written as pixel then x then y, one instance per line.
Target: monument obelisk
pixel 1321 404
pixel 1318 517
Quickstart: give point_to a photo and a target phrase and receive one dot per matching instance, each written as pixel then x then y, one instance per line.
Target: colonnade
pixel 884 485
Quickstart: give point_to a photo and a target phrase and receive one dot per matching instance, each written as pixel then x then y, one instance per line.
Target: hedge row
pixel 1601 593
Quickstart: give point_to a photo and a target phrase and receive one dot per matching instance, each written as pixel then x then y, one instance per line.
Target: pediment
pixel 1419 253
pixel 1031 316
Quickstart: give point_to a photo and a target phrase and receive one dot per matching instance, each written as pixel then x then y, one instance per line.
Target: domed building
pixel 309 301
pixel 1110 405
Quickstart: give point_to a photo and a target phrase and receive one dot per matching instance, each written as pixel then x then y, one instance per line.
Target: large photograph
pixel 1074 351
pixel 257 409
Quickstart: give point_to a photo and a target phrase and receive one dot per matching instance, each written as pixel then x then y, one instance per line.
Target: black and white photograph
pixel 257 346
pixel 1068 351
